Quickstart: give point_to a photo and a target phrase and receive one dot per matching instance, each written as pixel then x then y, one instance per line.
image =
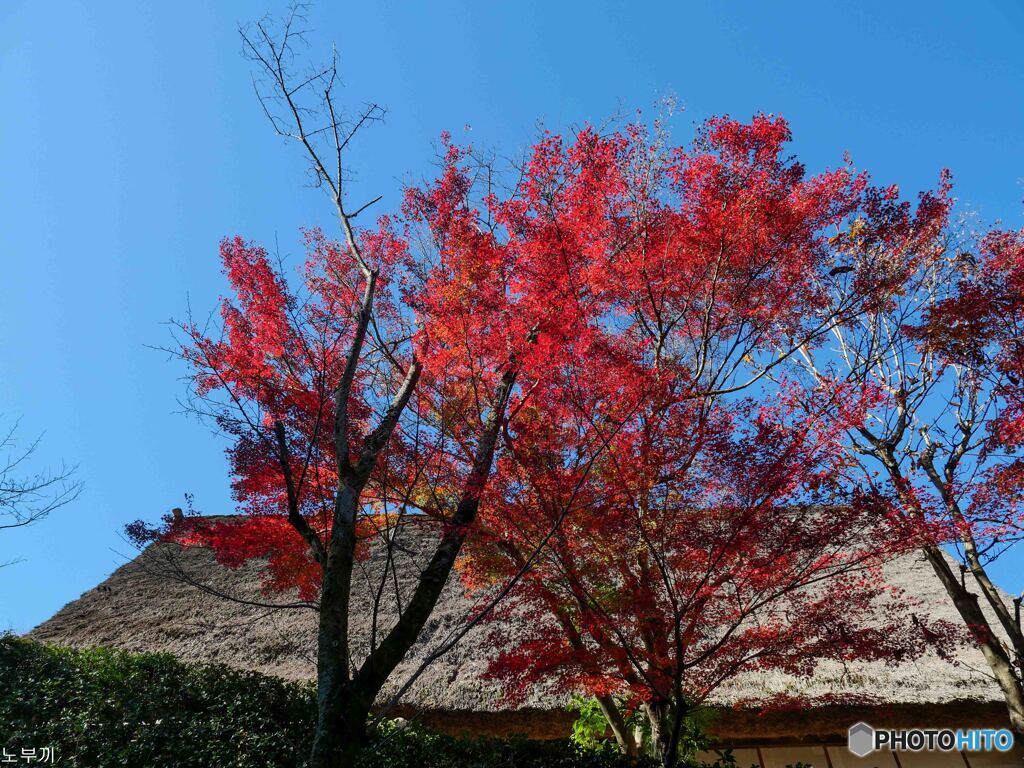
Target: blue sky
pixel 131 143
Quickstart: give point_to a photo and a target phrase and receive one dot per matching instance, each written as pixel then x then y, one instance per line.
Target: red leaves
pixel 634 290
pixel 686 531
pixel 289 565
pixel 974 330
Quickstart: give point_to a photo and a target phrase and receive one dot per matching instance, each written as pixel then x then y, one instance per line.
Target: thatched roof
pixel 141 608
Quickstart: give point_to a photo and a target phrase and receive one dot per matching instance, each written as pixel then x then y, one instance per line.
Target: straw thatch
pixel 146 605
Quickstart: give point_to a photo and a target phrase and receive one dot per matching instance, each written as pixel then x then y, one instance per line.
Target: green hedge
pixel 404 749
pixel 107 708
pixel 102 708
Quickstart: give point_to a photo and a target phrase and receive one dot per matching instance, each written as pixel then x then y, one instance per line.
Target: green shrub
pixel 590 730
pixel 409 748
pixel 108 708
pixel 102 708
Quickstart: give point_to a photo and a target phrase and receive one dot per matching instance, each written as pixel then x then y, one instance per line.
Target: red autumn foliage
pixel 698 534
pixel 942 443
pixel 612 330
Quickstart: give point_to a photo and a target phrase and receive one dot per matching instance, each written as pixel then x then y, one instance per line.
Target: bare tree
pixel 28 495
pixel 927 439
pixel 360 369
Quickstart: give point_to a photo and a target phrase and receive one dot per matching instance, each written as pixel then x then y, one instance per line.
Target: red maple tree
pixel 705 538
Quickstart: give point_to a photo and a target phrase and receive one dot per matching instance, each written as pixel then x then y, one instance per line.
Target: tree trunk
pixel 658 715
pixel 625 738
pixel 995 599
pixel 995 654
pixel 1009 623
pixel 674 725
pixel 1007 675
pixel 341 714
pixel 344 700
pixel 341 733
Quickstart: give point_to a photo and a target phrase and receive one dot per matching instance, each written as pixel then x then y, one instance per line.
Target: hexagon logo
pixel 861 739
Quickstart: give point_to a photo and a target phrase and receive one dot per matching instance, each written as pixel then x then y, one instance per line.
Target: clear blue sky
pixel 131 142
